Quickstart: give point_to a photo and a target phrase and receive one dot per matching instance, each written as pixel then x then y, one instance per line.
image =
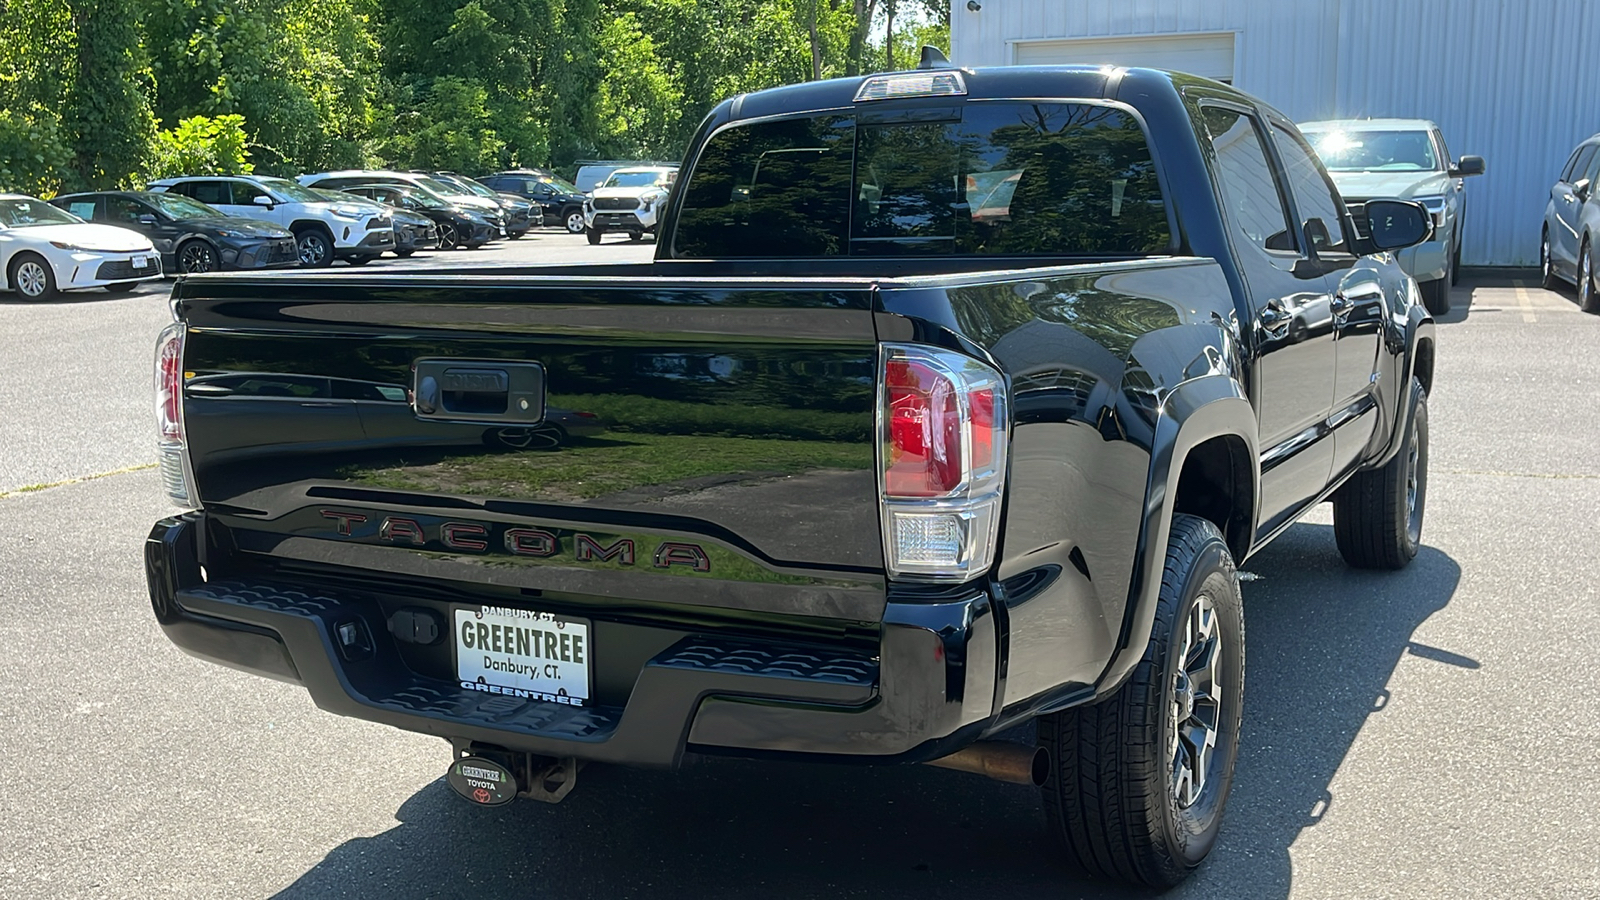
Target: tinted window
pixel 246 194
pixel 125 210
pixel 1572 162
pixel 1006 178
pixel 1319 212
pixel 181 207
pixel 1593 171
pixel 1580 162
pixel 211 193
pixel 83 208
pixel 1254 206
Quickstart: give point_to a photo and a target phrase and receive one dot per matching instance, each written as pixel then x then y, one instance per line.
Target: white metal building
pixel 1513 81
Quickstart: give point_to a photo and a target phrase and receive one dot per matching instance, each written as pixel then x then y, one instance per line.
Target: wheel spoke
pixel 1196 707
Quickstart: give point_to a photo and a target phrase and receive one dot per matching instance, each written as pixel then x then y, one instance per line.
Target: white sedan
pixel 44 250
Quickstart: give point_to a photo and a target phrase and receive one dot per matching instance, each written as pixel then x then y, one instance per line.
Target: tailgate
pixel 677 442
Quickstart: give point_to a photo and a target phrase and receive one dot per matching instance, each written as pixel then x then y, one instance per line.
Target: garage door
pixel 1207 55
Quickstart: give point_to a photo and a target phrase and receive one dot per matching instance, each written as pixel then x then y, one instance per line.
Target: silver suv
pixel 1571 235
pixel 1406 159
pixel 355 231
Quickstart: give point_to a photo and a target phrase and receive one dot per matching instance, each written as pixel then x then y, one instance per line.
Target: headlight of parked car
pixel 86 248
pixel 1435 205
pixel 349 212
pixel 231 233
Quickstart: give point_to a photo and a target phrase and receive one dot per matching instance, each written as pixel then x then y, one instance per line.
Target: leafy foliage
pixel 86 85
pixel 203 146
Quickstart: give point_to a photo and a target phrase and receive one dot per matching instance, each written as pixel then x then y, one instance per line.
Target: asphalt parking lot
pixel 1419 734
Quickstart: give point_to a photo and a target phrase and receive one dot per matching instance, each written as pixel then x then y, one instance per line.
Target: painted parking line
pixel 1525 300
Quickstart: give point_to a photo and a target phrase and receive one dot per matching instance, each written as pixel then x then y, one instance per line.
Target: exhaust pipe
pixel 1000 760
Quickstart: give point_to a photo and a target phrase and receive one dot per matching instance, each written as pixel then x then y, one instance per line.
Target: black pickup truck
pixel 951 402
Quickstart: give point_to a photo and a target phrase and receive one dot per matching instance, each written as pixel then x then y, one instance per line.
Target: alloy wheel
pixel 313 248
pixel 1196 703
pixel 197 257
pixel 1544 256
pixel 1586 279
pixel 575 223
pixel 32 280
pixel 447 235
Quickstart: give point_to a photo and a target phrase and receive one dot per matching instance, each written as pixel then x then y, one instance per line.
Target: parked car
pixel 884 480
pixel 1407 159
pixel 191 236
pixel 45 250
pixel 629 200
pixel 338 181
pixel 323 230
pixel 593 172
pixel 560 200
pixel 519 212
pixel 1571 235
pixel 457 226
pixel 411 231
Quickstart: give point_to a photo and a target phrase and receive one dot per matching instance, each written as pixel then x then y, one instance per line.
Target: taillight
pixel 942 458
pixel 172 449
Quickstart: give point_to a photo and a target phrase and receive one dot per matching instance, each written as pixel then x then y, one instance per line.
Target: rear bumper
pixel 929 689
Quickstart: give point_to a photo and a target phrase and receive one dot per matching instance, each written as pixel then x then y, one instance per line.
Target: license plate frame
pixel 564 644
pixel 140 262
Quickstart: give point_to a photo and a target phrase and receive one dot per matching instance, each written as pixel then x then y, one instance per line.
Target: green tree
pixel 107 119
pixel 202 146
pixel 36 61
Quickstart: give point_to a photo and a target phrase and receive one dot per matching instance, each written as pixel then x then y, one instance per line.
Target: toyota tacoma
pixel 951 401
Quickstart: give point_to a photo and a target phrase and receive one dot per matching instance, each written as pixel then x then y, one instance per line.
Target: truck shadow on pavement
pixel 1323 643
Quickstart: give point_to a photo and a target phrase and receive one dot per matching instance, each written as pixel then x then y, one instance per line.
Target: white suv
pixel 630 199
pixel 325 230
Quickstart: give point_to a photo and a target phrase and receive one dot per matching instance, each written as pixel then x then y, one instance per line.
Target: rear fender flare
pixel 1419 329
pixel 1196 411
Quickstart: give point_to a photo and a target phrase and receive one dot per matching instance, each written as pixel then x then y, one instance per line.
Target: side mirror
pixel 1581 189
pixel 263 200
pixel 147 219
pixel 1468 165
pixel 1398 224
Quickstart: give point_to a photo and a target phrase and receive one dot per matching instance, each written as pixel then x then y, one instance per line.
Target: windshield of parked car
pixel 1064 179
pixel 562 185
pixel 634 179
pixel 1375 151
pixel 24 212
pixel 439 187
pixel 289 190
pixel 421 198
pixel 475 187
pixel 180 207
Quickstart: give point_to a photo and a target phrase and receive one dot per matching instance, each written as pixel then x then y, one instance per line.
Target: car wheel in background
pixel 31 277
pixel 196 256
pixel 404 253
pixel 121 287
pixel 1455 264
pixel 1436 295
pixel 636 236
pixel 1377 514
pixel 316 246
pixel 1547 266
pixel 360 260
pixel 1588 291
pixel 575 221
pixel 594 235
pixel 449 237
pixel 1138 781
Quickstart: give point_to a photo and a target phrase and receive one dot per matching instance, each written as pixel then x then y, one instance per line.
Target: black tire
pixel 1114 798
pixel 1436 295
pixel 1548 279
pixel 32 278
pixel 594 235
pixel 573 220
pixel 316 246
pixel 196 256
pixel 121 287
pixel 635 236
pixel 1455 264
pixel 359 260
pixel 405 254
pixel 449 235
pixel 1377 514
pixel 1588 289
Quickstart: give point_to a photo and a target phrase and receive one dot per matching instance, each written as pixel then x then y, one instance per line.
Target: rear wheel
pixel 575 221
pixel 1377 514
pixel 636 236
pixel 32 278
pixel 1547 266
pixel 1139 780
pixel 594 235
pixel 316 247
pixel 195 257
pixel 448 235
pixel 1455 264
pixel 1436 295
pixel 1588 291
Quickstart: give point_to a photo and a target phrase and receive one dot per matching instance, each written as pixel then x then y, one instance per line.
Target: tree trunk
pixel 888 35
pixel 816 48
pixel 864 11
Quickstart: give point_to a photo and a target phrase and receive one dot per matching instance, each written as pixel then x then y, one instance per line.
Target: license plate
pixel 522 653
pixel 140 262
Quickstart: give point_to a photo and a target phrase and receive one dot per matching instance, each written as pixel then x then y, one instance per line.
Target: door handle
pixel 1274 318
pixel 1344 301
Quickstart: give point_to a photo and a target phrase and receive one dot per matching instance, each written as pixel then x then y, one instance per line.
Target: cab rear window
pixel 988 178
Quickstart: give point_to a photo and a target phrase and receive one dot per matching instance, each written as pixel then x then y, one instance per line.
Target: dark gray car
pixel 1572 226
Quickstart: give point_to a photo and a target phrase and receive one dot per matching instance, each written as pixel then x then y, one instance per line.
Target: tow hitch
pixel 489 776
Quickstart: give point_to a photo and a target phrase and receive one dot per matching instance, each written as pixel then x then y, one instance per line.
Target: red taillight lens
pixel 924 431
pixel 984 427
pixel 169 386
